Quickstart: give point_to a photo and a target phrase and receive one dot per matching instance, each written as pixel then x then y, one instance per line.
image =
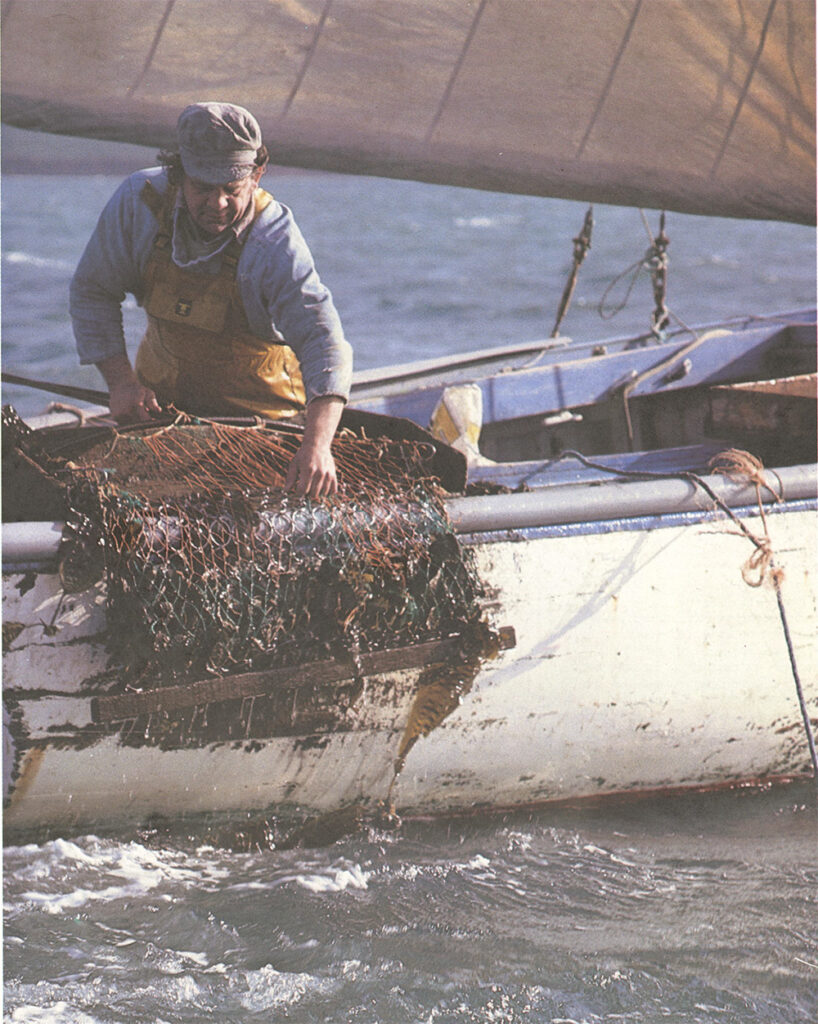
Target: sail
pixel 701 106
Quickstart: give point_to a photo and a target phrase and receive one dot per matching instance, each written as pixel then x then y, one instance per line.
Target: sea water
pixel 419 271
pixel 688 909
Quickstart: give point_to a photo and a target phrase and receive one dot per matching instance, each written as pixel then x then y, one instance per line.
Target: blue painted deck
pixel 535 380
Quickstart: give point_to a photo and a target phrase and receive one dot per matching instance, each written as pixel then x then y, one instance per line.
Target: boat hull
pixel 643 661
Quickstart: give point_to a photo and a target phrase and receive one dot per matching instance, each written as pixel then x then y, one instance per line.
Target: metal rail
pixel 32 543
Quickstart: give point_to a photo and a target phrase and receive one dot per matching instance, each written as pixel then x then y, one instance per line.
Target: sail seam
pixel 745 90
pixel 154 46
pixel 447 92
pixel 319 28
pixel 611 75
pixel 6 9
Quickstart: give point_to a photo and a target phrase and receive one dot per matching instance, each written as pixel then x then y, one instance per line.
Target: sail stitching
pixel 319 28
pixel 154 46
pixel 745 90
pixel 611 75
pixel 6 9
pixel 447 92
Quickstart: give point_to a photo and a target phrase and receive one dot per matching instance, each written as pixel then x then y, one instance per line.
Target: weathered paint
pixel 646 663
pixel 643 661
pixel 61 647
pixel 571 378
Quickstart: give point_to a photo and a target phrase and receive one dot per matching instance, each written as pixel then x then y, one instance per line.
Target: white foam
pixel 482 221
pixel 352 877
pixel 197 958
pixel 268 988
pixel 475 222
pixel 57 1013
pixel 98 872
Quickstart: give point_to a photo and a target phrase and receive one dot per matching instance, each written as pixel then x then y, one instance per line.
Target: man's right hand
pixel 128 400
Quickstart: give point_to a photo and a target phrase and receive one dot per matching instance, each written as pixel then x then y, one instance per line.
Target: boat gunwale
pixel 740 498
pixel 371 379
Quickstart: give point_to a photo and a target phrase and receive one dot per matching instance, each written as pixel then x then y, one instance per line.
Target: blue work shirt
pixel 283 297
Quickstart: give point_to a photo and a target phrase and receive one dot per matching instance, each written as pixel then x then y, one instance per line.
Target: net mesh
pixel 212 568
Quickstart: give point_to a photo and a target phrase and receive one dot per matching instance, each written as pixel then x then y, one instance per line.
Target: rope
pixel 737 465
pixel 609 315
pixel 655 262
pixel 582 243
pixel 740 465
pixel 798 688
pixel 761 566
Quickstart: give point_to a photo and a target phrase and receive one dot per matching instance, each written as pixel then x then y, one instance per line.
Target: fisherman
pixel 239 322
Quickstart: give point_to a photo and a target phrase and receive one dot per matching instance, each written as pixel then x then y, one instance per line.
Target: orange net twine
pixel 212 568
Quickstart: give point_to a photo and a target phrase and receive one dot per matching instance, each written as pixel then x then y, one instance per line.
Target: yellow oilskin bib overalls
pixel 198 352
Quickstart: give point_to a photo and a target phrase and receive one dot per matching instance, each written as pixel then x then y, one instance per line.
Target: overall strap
pixel 155 200
pixel 161 206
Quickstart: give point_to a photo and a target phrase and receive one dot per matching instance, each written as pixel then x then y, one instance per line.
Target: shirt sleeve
pixel 110 267
pixel 280 286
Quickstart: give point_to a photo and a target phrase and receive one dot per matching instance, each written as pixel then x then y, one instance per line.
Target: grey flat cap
pixel 217 142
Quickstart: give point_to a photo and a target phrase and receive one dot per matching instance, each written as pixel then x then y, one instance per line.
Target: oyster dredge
pixel 563 570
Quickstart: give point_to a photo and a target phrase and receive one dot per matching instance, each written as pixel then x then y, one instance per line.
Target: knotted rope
pixel 740 466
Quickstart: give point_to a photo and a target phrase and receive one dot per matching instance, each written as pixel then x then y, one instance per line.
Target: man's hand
pixel 128 400
pixel 312 471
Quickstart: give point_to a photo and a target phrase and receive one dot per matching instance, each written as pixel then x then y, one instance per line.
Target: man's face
pixel 215 207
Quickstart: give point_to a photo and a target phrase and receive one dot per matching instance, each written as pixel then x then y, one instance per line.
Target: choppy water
pixel 690 909
pixel 418 271
pixel 703 909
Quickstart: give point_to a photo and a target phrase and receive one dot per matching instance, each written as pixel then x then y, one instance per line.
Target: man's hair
pixel 171 160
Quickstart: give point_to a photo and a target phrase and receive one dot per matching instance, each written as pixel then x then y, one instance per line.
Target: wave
pixel 17 258
pixel 496 221
pixel 59 1012
pixel 338 880
pixel 62 876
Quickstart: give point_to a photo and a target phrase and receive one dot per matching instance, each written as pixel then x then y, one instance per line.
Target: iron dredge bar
pixel 33 544
pixel 621 499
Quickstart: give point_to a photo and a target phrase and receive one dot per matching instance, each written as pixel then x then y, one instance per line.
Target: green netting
pixel 212 568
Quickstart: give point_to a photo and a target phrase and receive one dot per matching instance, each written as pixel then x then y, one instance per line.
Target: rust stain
pixel 615 798
pixel 30 764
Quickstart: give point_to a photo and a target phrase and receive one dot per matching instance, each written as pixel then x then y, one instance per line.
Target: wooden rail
pixel 121 707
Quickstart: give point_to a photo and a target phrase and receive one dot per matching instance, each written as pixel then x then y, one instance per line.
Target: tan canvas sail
pixel 703 106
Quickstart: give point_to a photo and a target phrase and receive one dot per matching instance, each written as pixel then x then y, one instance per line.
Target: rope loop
pixel 738 465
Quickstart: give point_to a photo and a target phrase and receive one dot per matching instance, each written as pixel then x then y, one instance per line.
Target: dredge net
pixel 212 568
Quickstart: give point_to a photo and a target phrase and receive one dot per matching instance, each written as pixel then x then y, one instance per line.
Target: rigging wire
pixel 153 48
pixel 744 91
pixel 655 261
pixel 458 64
pixel 302 71
pixel 623 45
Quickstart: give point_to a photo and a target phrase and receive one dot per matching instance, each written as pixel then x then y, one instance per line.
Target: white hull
pixel 643 661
